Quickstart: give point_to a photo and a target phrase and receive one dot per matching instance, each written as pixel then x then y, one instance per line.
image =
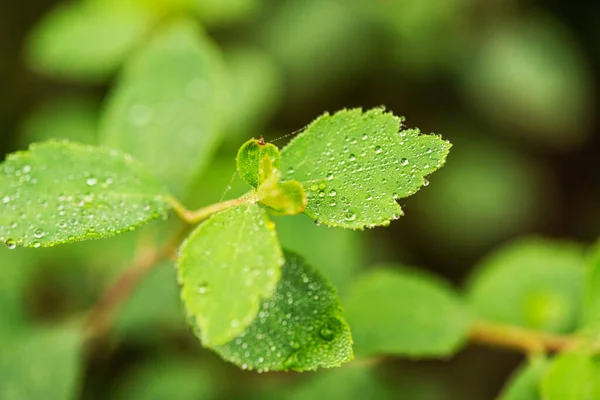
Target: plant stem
pixel 517 338
pixel 100 318
pixel 197 216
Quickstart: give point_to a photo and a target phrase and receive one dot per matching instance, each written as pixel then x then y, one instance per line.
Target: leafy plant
pixel 246 289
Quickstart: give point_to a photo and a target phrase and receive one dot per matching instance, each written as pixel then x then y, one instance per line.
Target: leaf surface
pixel 227 266
pixel 533 283
pixel 88 40
pixel 524 384
pixel 299 328
pixel 354 165
pixel 405 313
pixel 166 108
pixel 572 376
pixel 59 192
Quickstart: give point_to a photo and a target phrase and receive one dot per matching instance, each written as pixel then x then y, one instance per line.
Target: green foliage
pixel 300 327
pixel 355 165
pixel 230 263
pixel 167 109
pixel 87 40
pixel 525 382
pixel 572 376
pixel 74 119
pixel 532 283
pixel 164 379
pixel 257 161
pixel 42 364
pixel 405 313
pixel 59 192
pixel 591 317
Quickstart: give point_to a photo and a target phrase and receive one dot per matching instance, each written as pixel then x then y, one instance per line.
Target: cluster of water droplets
pixel 54 198
pixel 299 327
pixel 355 176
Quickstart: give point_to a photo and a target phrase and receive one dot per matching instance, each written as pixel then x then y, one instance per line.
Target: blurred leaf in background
pixel 532 283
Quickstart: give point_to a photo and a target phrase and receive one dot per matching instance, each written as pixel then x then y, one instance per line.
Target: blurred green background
pixel 511 83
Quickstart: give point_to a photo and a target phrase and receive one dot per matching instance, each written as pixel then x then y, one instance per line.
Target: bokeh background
pixel 511 83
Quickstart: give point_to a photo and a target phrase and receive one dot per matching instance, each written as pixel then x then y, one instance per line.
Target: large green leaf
pixel 406 313
pixel 44 364
pixel 533 283
pixel 355 165
pixel 572 376
pixel 58 192
pixel 227 266
pixel 166 110
pixel 524 384
pixel 87 40
pixel 299 328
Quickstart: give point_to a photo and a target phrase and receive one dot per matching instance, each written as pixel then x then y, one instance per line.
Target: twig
pixel 99 319
pixel 194 217
pixel 521 339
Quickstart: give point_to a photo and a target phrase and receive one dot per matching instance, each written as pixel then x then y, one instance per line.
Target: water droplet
pixel 326 333
pixel 425 182
pixel 332 203
pixel 91 181
pixel 332 192
pixel 365 136
pixel 39 233
pixel 352 157
pixel 350 216
pixel 378 149
pixel 36 244
pixel 6 199
pixel 404 162
pixel 11 244
pixel 203 288
pixel 314 187
pixel 329 176
pixel 321 194
pixel 26 169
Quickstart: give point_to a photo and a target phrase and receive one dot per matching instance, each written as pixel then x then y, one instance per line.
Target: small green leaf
pixel 533 283
pixel 405 313
pixel 355 165
pixel 256 161
pixel 59 192
pixel 524 384
pixel 167 108
pixel 44 364
pixel 299 328
pixel 285 198
pixel 591 318
pixel 86 40
pixel 572 376
pixel 227 266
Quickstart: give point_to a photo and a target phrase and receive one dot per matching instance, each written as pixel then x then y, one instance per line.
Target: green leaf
pixel 86 40
pixel 166 379
pixel 299 328
pixel 257 161
pixel 166 109
pixel 44 364
pixel 339 253
pixel 524 384
pixel 59 192
pixel 533 283
pixel 591 318
pixel 286 198
pixel 407 313
pixel 572 376
pixel 227 265
pixel 355 165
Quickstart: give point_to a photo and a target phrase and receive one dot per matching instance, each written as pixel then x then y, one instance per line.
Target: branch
pixel 100 318
pixel 517 338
